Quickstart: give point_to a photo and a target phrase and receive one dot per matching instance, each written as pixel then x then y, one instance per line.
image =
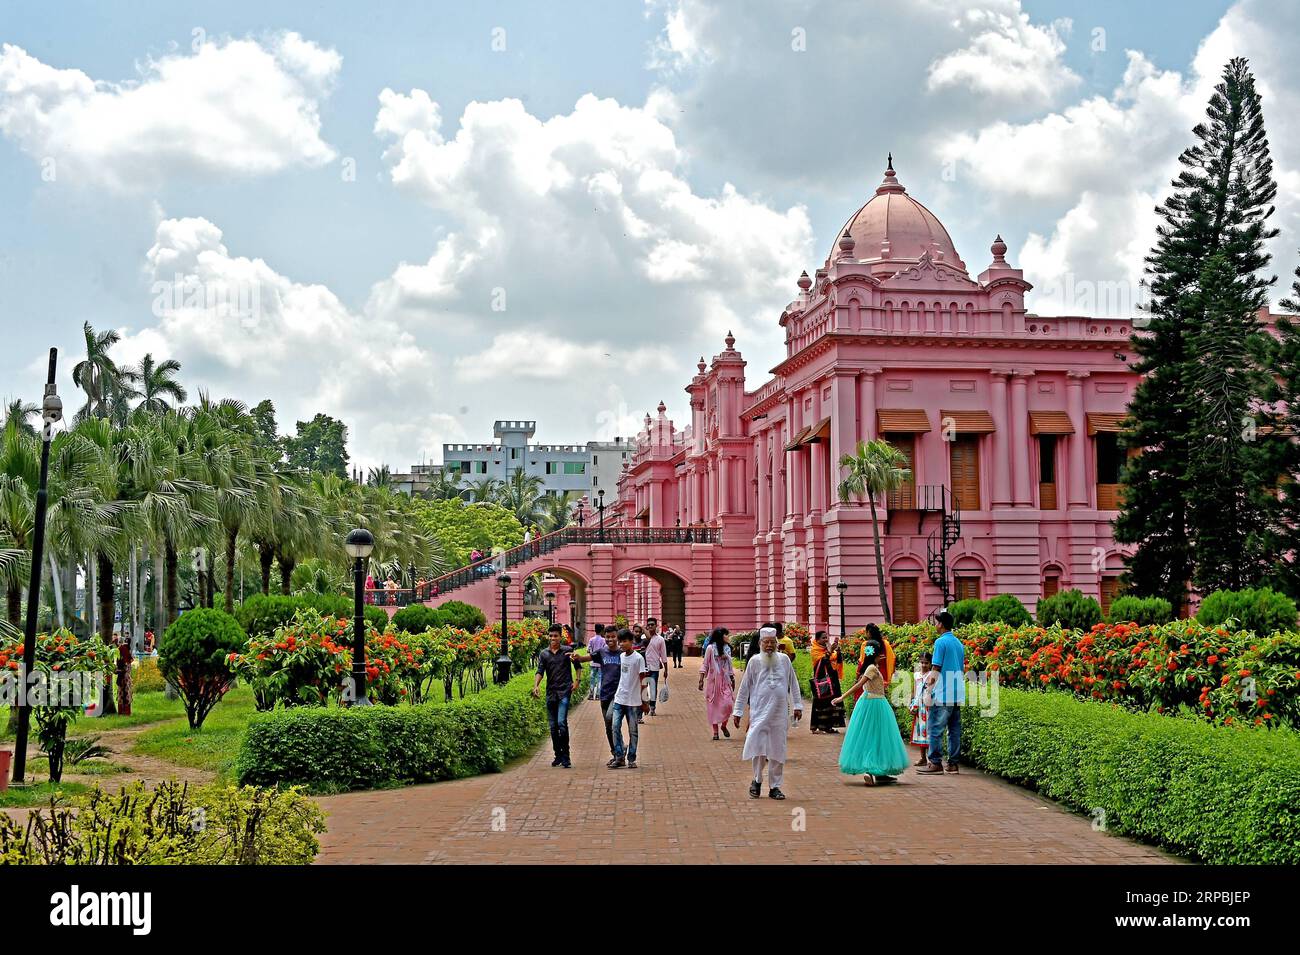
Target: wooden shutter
pixel 904 498
pixel 1047 472
pixel 905 607
pixel 967 588
pixel 1051 585
pixel 964 472
pixel 1109 591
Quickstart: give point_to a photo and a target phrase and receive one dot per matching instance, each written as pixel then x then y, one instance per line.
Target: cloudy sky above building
pixel 422 217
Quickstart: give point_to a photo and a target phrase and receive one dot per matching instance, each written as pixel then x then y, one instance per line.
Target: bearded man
pixel 770 690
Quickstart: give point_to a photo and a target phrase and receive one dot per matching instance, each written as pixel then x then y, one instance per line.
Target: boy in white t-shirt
pixel 629 701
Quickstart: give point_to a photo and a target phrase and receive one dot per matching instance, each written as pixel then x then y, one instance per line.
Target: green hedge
pixel 1211 793
pixel 1262 610
pixel 1071 609
pixel 1144 611
pixel 261 615
pixel 334 750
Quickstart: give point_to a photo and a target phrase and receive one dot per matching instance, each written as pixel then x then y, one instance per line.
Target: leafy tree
pixel 1069 608
pixel 97 374
pixel 1218 210
pixel 320 444
pixel 872 471
pixel 265 437
pixel 461 527
pixel 157 384
pixel 523 494
pixel 193 657
pixel 21 413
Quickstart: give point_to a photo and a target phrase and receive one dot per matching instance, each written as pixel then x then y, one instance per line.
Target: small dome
pixel 805 282
pixel 894 228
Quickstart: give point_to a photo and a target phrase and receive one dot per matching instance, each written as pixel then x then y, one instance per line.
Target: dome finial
pixel 999 250
pixel 890 162
pixel 805 282
pixel 891 183
pixel 730 341
pixel 847 243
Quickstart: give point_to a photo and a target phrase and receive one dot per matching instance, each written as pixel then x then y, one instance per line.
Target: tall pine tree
pixel 1284 442
pixel 1222 198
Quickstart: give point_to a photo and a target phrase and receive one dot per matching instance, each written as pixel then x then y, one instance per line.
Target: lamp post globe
pixel 503 661
pixel 359 544
pixel 600 497
pixel 550 608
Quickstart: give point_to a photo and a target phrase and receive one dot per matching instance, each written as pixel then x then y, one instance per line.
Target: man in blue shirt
pixel 607 659
pixel 947 681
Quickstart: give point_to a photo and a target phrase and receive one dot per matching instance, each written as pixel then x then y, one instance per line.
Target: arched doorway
pixel 570 589
pixel 664 597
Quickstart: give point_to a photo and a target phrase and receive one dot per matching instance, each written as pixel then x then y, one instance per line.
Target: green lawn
pixel 214 747
pixel 39 794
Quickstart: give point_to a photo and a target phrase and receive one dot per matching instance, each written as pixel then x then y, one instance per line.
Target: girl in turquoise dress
pixel 873 745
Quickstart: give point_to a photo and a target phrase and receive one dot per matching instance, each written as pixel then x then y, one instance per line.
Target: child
pixel 872 745
pixel 921 710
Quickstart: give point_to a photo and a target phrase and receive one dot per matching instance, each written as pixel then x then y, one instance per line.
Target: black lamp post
pixel 580 514
pixel 359 544
pixel 573 619
pixel 600 497
pixel 550 608
pixel 51 414
pixel 410 571
pixel 503 661
pixel 842 587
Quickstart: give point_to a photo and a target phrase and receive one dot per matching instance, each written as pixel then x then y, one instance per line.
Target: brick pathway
pixel 687 803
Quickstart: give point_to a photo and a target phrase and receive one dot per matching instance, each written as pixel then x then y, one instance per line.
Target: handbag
pixel 823 689
pixel 663 690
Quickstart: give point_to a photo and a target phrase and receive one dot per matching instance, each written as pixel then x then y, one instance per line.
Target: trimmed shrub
pixel 1144 611
pixel 1214 794
pixel 245 826
pixel 1263 611
pixel 416 618
pixel 963 611
pixel 1070 609
pixel 1003 608
pixel 458 614
pixel 193 658
pixel 334 750
pixel 261 615
pixel 146 678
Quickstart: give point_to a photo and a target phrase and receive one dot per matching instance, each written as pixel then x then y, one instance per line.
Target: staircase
pixel 935 499
pixel 487 569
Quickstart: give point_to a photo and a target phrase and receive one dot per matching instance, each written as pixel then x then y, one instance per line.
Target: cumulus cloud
pixel 1008 57
pixel 233 108
pixel 240 328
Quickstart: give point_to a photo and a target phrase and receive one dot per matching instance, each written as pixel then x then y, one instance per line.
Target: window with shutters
pixel 964 471
pixel 1051 585
pixel 904 497
pixel 1047 472
pixel 905 607
pixel 1108 464
pixel 966 587
pixel 1110 589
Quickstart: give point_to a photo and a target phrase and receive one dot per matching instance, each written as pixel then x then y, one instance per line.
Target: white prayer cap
pixel 767 632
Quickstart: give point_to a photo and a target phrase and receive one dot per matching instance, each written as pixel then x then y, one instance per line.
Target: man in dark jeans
pixel 557 662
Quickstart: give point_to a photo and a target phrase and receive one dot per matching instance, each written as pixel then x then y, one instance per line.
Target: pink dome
pixel 894 228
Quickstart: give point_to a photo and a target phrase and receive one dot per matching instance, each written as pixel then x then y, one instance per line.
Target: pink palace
pixel 1009 420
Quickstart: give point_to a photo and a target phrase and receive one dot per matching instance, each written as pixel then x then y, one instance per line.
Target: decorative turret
pixel 847 243
pixel 805 283
pixel 999 250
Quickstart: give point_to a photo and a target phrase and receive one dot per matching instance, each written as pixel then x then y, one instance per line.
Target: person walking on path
pixel 557 663
pixel 827 671
pixel 718 681
pixel 770 690
pixel 947 681
pixel 606 660
pixel 676 644
pixel 873 746
pixel 656 659
pixel 629 700
pixel 594 647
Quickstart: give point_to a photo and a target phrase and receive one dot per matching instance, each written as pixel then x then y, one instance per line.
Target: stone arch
pixel 578 586
pixel 673 587
pixel 972 560
pixel 904 563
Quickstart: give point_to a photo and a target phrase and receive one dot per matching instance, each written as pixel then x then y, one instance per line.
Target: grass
pixel 40 766
pixel 39 794
pixel 214 747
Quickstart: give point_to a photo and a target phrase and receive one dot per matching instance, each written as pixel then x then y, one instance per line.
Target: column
pixel 1020 456
pixel 1002 495
pixel 724 483
pixel 844 400
pixel 764 492
pixel 867 399
pixel 793 462
pixel 1078 490
pixel 779 465
pixel 819 465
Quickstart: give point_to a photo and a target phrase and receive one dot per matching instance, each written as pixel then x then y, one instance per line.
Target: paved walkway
pixel 687 803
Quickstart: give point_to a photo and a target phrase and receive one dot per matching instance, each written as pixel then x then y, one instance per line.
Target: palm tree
pixel 556 510
pixel 872 471
pixel 445 485
pixel 20 412
pixel 523 494
pixel 381 476
pixel 484 491
pixel 97 374
pixel 157 383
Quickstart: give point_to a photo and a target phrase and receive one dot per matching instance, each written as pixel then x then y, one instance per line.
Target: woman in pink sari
pixel 718 681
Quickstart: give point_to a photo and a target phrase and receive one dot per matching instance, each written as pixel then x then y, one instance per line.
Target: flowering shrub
pixel 301 663
pixel 798 632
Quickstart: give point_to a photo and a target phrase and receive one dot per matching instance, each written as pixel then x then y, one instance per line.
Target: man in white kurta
pixel 770 690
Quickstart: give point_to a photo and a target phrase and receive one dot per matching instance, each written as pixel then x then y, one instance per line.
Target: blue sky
pixel 666 172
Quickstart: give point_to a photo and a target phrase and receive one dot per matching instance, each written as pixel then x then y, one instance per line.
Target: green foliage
pixel 963 611
pixel 1144 611
pixel 461 527
pixel 193 658
pixel 321 444
pixel 416 618
pixel 1215 794
pixel 1003 608
pixel 170 825
pixel 332 749
pixel 463 616
pixel 1261 610
pixel 262 614
pixel 1070 609
pixel 146 677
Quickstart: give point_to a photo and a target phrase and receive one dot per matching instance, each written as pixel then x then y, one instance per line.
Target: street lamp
pixel 51 414
pixel 410 572
pixel 359 545
pixel 580 513
pixel 503 661
pixel 600 497
pixel 573 619
pixel 550 608
pixel 842 587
